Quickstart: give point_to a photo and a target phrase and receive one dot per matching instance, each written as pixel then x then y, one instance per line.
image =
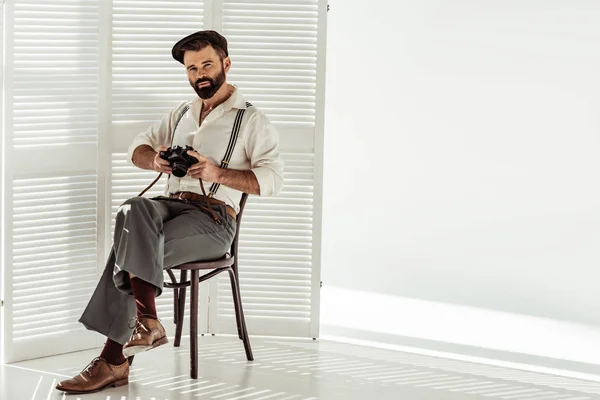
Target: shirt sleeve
pixel 158 134
pixel 262 149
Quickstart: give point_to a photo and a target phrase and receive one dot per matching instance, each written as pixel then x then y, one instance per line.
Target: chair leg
pixel 239 312
pixel 238 317
pixel 175 306
pixel 180 307
pixel 194 324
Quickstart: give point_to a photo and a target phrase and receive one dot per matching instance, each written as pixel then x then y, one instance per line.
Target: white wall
pixel 462 174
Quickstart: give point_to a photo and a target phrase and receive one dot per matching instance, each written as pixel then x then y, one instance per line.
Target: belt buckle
pixel 182 198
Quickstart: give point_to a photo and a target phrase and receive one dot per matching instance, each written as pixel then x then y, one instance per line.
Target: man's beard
pixel 209 91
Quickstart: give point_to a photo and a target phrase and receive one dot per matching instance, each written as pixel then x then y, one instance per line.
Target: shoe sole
pixel 117 383
pixel 133 350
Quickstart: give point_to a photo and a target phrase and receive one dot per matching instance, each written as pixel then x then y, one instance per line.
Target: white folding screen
pixel 83 77
pixel 277 50
pixel 50 174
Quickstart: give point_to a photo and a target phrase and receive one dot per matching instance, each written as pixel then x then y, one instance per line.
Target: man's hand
pixel 204 169
pixel 160 165
pixel 244 181
pixel 145 157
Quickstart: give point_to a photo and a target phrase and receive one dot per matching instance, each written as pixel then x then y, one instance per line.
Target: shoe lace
pixel 88 369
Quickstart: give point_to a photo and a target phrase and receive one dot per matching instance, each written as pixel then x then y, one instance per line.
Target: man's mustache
pixel 200 80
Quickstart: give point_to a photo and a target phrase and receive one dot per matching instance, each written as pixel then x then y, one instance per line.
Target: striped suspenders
pixel 235 131
pixel 232 141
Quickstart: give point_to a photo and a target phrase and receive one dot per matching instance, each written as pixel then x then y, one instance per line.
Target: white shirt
pixel 256 149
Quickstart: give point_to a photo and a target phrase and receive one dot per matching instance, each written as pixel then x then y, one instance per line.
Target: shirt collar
pixel 236 100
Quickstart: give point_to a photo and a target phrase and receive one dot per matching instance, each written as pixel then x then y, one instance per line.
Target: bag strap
pixel 235 131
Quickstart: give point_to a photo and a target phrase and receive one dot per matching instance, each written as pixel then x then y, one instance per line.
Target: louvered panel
pixel 128 181
pixel 54 103
pixel 273 46
pixel 51 192
pixel 275 254
pixel 146 81
pixel 53 259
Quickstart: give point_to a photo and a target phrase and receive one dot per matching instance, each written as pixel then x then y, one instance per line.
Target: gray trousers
pixel 151 235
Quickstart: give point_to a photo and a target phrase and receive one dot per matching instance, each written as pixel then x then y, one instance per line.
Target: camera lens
pixel 179 170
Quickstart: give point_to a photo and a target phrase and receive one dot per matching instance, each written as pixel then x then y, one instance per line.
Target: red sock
pixel 113 352
pixel 144 294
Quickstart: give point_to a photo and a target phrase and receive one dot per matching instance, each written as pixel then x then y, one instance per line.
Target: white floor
pixel 294 370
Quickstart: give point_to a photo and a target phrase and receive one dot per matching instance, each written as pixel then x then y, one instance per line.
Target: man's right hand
pixel 160 165
pixel 145 157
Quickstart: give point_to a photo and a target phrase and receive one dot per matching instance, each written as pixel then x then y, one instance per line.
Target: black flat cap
pixel 214 38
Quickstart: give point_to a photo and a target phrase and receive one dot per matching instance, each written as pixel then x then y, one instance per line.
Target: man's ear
pixel 226 64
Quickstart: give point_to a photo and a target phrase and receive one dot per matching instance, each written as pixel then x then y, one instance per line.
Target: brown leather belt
pixel 195 197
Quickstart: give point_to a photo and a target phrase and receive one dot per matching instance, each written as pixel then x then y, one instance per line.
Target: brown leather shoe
pixel 148 333
pixel 98 375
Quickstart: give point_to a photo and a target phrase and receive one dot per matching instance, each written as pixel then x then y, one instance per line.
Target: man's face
pixel 205 71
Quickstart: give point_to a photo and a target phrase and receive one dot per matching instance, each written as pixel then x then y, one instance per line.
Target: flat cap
pixel 214 38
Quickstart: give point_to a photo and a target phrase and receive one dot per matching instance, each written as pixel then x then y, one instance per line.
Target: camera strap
pixel 180 115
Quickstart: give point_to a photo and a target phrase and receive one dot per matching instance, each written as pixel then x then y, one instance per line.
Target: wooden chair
pixel 229 263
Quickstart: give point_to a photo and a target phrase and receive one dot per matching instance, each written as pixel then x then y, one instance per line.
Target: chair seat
pixel 225 261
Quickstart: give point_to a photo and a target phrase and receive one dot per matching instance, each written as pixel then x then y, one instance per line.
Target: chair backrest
pixel 238 222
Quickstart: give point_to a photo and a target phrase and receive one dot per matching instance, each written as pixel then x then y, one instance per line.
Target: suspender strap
pixel 235 131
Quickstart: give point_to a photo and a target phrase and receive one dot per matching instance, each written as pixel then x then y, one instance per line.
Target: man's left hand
pixel 204 169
